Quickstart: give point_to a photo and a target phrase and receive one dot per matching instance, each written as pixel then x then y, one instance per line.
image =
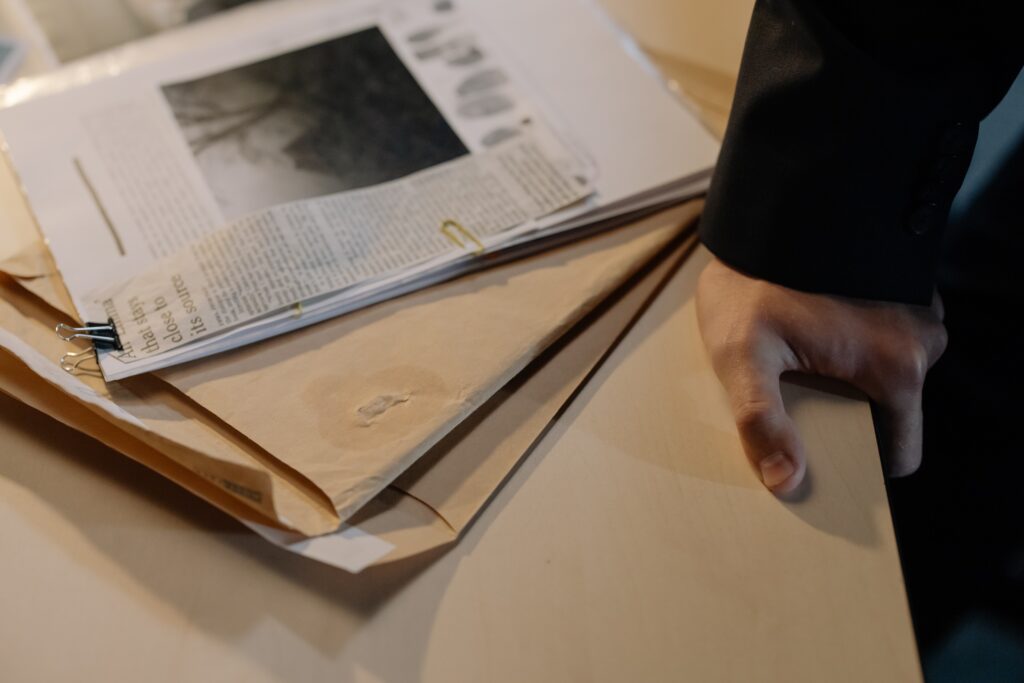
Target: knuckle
pixel 914 366
pixel 753 415
pixel 836 356
pixel 739 343
pixel 905 364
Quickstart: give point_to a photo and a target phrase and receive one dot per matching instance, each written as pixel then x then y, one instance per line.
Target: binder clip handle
pixel 102 335
pixel 71 362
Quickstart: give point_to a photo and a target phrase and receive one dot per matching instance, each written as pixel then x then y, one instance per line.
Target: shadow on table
pixel 220 577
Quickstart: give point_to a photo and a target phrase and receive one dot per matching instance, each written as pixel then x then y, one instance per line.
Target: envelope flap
pixel 33 269
pixel 31 262
pixel 459 475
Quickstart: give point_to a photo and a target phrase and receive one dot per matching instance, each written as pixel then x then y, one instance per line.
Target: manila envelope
pixel 196 424
pixel 432 502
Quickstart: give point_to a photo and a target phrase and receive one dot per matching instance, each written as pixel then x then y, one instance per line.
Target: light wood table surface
pixel 634 544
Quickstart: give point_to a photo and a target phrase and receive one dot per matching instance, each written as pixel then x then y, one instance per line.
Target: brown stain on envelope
pixel 391 405
pixel 371 411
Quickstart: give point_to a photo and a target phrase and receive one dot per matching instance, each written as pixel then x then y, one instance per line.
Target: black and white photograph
pixel 339 115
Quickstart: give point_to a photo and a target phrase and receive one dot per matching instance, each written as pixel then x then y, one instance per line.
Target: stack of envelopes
pixel 399 420
pixel 370 437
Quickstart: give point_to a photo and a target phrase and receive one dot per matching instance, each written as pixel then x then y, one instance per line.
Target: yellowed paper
pixel 351 403
pixel 446 487
pixel 148 411
pixel 308 250
pixel 342 409
pixel 456 478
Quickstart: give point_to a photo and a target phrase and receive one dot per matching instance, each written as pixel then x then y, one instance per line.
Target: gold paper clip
pixel 71 362
pixel 452 229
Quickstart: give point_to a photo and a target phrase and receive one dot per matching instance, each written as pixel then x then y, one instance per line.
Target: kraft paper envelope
pixel 432 502
pixel 436 499
pixel 352 403
pixel 409 371
pixel 151 412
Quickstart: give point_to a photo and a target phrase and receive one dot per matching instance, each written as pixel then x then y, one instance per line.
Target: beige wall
pixel 708 32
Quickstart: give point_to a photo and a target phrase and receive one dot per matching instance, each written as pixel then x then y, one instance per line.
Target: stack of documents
pixel 285 163
pixel 291 161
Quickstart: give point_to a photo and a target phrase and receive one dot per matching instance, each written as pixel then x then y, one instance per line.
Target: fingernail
pixel 776 469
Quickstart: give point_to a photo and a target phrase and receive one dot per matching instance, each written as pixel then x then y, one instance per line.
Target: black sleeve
pixel 851 131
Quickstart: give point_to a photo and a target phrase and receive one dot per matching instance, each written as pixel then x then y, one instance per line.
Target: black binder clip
pixel 102 335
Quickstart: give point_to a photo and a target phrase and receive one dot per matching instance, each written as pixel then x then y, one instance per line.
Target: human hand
pixel 755 330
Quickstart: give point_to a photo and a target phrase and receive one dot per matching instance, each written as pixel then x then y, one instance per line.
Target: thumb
pixel 766 431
